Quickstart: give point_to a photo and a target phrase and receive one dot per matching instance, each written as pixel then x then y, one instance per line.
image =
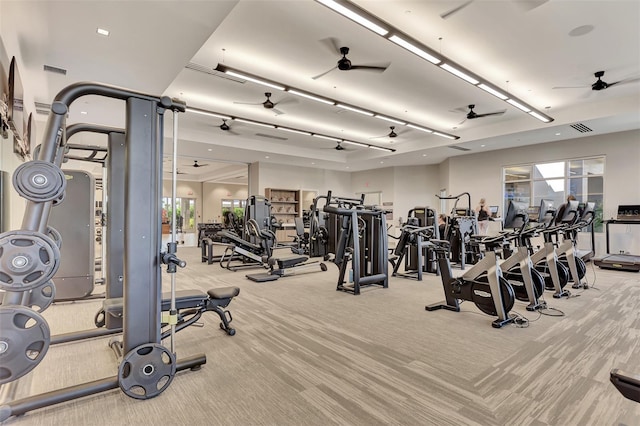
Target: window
pixel 583 178
pixel 236 206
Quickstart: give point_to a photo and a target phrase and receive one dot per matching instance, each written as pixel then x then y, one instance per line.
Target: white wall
pixel 304 178
pixel 212 196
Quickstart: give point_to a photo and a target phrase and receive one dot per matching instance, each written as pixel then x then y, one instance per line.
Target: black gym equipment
pixel 483 284
pixel 29 256
pixel 318 232
pixel 627 384
pixel 627 215
pixel 363 243
pixel 287 266
pixel 462 224
pixel 413 246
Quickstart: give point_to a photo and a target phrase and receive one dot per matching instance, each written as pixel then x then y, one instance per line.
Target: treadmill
pixel 627 215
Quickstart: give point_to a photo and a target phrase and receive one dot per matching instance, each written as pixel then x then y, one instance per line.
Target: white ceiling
pixel 524 47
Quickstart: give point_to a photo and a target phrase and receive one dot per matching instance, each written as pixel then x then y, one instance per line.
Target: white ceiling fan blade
pixel 277 111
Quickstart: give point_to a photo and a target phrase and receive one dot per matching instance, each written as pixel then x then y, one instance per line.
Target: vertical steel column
pixel 142 225
pixel 113 260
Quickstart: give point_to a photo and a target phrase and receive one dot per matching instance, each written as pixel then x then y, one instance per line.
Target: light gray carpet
pixel 305 354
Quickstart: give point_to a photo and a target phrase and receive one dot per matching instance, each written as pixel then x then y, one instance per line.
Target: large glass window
pixel 582 178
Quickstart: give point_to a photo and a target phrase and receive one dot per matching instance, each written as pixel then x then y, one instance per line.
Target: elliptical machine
pixel 461 225
pixel 483 285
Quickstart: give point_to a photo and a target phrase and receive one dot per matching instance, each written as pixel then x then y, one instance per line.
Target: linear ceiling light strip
pixel 286 129
pixel 361 16
pixel 270 83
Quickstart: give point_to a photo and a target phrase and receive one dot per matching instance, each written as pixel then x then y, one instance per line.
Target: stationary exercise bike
pixel 483 285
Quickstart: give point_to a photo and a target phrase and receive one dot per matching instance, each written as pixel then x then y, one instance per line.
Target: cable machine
pixel 362 243
pixel 29 258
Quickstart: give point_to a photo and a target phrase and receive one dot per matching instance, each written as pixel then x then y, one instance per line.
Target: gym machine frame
pixel 142 252
pixel 369 261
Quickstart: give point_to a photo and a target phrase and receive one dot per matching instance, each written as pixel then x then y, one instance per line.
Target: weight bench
pixel 190 305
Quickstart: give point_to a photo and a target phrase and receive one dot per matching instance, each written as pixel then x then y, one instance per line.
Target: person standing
pixel 482 215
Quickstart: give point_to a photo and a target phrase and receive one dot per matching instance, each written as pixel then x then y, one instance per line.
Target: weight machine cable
pixel 174 177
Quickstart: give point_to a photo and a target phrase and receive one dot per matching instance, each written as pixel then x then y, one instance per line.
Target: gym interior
pixel 218 213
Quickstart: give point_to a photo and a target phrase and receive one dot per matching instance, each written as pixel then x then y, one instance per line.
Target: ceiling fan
pixel 226 128
pixel 344 64
pixel 599 83
pixel 196 164
pixel 268 104
pixel 391 134
pixel 472 114
pixel 523 4
pixel 339 147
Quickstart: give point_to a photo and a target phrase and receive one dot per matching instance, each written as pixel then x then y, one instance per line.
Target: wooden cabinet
pixel 285 206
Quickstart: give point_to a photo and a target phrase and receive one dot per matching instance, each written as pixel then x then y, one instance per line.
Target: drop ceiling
pixel 527 48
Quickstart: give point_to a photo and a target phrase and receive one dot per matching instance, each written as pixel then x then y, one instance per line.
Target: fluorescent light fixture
pixel 413 49
pixel 359 111
pixel 329 138
pixel 378 148
pixel 443 135
pixel 539 116
pixel 102 32
pixel 354 16
pixel 255 123
pixel 459 73
pixel 315 98
pixel 518 105
pixel 493 91
pixel 255 80
pixel 393 120
pixel 300 132
pixel 210 114
pixel 354 143
pixel 413 126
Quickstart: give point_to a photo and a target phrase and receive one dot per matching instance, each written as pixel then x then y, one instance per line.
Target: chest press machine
pixel 29 258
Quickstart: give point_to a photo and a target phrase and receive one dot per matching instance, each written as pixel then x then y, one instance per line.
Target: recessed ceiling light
pixel 482 146
pixel 313 163
pixel 424 155
pixel 102 32
pixel 266 156
pixel 83 112
pixel 557 134
pixel 209 149
pixel 347 167
pixel 382 162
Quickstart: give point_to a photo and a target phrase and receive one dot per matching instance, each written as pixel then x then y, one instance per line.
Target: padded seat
pixel 223 293
pixel 240 242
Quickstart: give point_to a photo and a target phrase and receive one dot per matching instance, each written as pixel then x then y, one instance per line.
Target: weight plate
pixel 27 259
pixel 55 235
pixel 39 181
pixel 41 297
pixel 146 371
pixel 24 340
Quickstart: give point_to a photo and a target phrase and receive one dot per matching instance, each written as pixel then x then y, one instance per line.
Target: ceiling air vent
pixel 271 136
pixel 42 108
pixel 581 128
pixel 55 70
pixel 459 148
pixel 206 70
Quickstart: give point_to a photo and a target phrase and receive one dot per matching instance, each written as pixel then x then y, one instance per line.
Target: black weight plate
pixel 27 259
pixel 483 299
pixel 55 235
pixel 24 340
pixel 39 181
pixel 146 371
pixel 41 297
